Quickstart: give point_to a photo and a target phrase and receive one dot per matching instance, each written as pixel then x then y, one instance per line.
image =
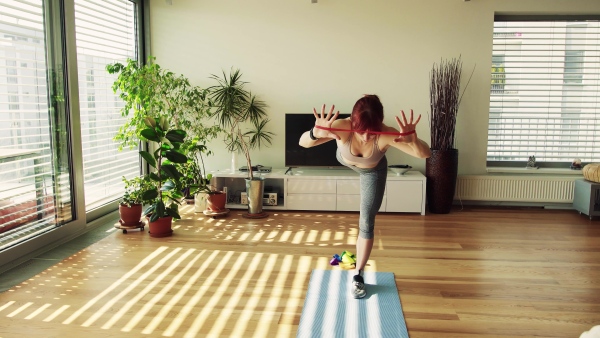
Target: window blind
pixel 105 33
pixel 28 193
pixel 545 82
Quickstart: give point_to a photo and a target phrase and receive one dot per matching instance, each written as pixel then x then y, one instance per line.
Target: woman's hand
pixel 407 126
pixel 325 121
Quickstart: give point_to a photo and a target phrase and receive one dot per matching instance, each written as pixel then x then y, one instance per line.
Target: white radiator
pixel 513 188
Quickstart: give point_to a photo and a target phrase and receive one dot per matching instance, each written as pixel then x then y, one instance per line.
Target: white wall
pixel 298 55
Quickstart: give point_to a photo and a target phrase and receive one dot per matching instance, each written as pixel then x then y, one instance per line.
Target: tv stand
pixel 327 190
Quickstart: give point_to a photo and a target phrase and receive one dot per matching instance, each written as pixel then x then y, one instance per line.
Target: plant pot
pixel 161 227
pixel 216 201
pixel 130 215
pixel 255 190
pixel 441 172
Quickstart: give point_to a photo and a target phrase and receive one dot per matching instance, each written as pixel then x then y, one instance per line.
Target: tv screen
pixel 296 156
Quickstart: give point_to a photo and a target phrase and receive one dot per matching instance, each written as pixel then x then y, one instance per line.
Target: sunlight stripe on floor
pixel 7 305
pixel 114 285
pixel 130 286
pixel 244 318
pixel 295 296
pixel 56 313
pixel 139 295
pixel 17 311
pixel 193 302
pixel 227 311
pixel 139 315
pixel 216 297
pixel 38 311
pixel 164 311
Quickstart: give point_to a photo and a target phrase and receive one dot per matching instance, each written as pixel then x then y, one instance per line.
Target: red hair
pixel 367 114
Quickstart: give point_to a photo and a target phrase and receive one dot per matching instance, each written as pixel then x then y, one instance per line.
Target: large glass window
pixel 35 189
pixel 105 33
pixel 41 125
pixel 545 91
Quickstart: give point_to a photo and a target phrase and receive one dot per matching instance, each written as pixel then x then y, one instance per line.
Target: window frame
pixel 531 18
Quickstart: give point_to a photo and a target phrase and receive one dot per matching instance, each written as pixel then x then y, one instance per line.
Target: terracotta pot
pixel 130 216
pixel 161 227
pixel 216 202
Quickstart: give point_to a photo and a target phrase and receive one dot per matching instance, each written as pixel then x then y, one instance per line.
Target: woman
pixel 362 140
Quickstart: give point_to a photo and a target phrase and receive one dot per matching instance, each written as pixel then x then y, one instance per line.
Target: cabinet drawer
pixel 311 202
pixel 313 187
pixel 404 196
pixel 348 187
pixel 352 203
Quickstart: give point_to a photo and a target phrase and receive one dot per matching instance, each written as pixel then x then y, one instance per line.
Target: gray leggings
pixel 372 187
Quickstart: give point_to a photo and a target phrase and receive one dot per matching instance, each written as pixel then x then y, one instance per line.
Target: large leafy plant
pixel 164 195
pixel 149 90
pixel 240 113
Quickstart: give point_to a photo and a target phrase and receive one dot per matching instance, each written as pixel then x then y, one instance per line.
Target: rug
pixel 331 311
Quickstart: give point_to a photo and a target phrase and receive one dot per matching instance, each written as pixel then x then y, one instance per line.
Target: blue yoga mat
pixel 331 311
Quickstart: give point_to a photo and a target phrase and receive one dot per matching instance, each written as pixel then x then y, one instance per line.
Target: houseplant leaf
pixel 148 157
pixel 150 134
pixel 175 156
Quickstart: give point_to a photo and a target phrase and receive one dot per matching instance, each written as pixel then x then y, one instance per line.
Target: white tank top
pixel 375 157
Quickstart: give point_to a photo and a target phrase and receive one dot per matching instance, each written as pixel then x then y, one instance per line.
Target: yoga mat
pixel 331 311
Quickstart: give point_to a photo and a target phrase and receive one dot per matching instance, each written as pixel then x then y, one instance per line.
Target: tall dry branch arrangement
pixel 444 90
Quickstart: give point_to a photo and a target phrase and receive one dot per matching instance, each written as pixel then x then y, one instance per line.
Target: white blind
pixel 105 33
pixel 27 192
pixel 545 91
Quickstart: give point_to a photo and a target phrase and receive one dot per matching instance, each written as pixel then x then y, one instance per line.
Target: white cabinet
pixel 311 194
pixel 328 190
pixel 405 196
pixel 348 195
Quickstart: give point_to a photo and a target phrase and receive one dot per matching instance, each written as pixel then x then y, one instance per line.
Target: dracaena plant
pixel 164 195
pixel 240 114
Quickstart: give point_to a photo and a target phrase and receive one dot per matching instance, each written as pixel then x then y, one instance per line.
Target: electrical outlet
pixel 225 191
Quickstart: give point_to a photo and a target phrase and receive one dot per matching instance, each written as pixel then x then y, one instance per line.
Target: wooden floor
pixel 476 272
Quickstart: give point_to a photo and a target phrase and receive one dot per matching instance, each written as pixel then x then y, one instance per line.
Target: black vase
pixel 441 170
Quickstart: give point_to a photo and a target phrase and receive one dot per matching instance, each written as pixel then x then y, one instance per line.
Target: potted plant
pixel 130 207
pixel 243 118
pixel 442 166
pixel 149 90
pixel 163 198
pixel 196 184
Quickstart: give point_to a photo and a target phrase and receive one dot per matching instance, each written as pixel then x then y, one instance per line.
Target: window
pixel 105 33
pixel 32 198
pixel 42 122
pixel 545 91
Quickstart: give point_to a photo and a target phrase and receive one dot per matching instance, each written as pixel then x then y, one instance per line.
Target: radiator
pixel 513 188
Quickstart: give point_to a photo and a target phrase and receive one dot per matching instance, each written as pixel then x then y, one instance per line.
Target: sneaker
pixel 358 287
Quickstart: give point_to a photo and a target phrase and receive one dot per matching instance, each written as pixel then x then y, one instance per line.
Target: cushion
pixel 591 172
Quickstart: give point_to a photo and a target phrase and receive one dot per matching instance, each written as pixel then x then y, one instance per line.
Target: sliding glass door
pixel 34 167
pixel 58 115
pixel 105 33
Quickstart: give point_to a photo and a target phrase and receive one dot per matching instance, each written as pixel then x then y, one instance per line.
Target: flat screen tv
pixel 296 156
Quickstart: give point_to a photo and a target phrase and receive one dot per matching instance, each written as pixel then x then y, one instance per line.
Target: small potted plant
pixel 163 198
pixel 130 207
pixel 243 117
